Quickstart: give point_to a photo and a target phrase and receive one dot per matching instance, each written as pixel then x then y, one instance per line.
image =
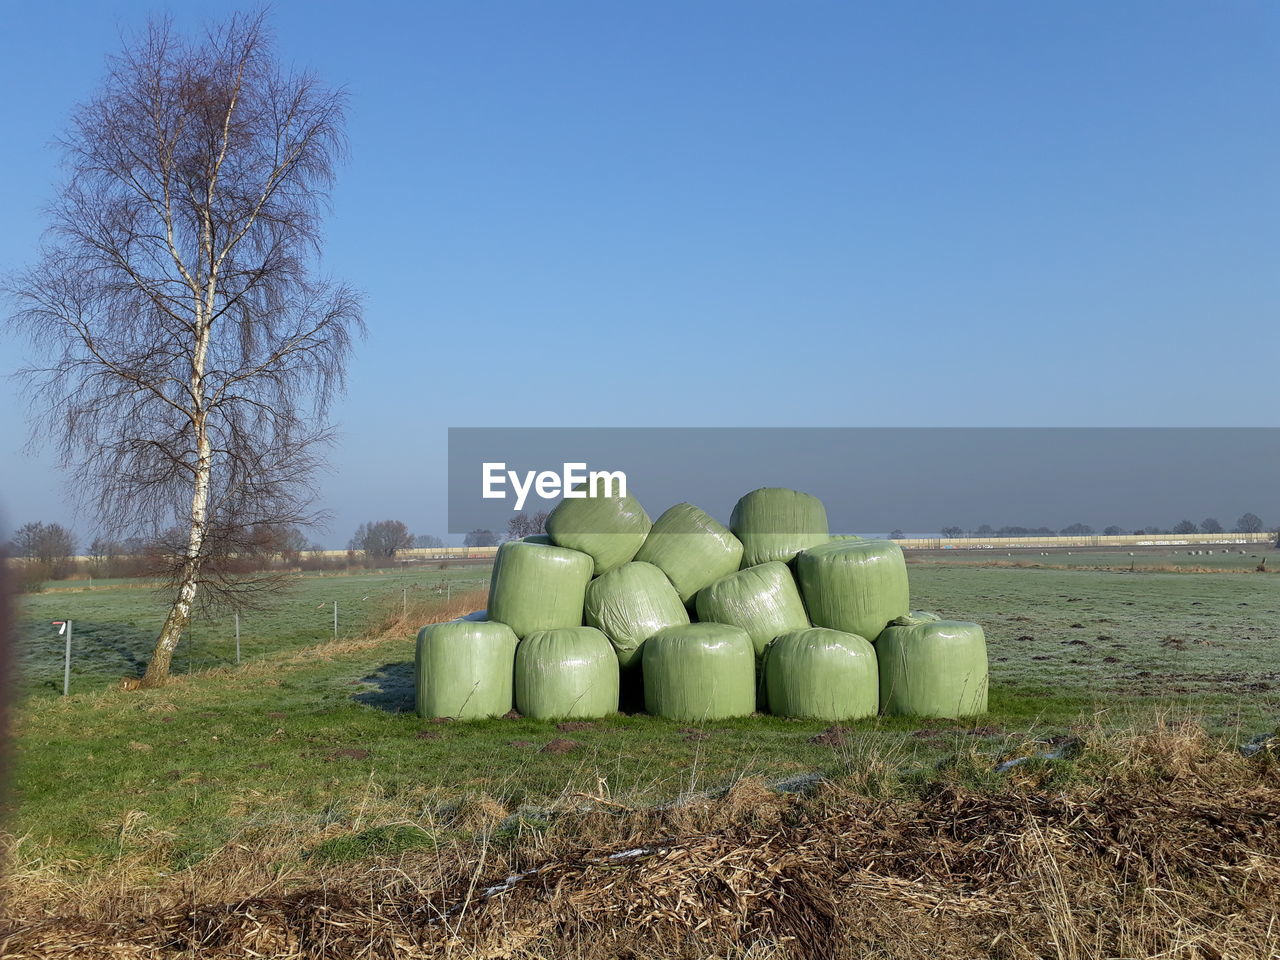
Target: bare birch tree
pixel 190 348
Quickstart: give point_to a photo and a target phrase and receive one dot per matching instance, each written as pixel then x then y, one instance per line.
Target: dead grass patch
pixel 1168 849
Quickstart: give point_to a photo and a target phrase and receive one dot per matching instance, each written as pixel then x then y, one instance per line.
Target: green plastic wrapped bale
pixel 692 548
pixel 631 604
pixel 932 668
pixel 608 529
pixel 762 600
pixel 821 674
pixel 774 523
pixel 538 587
pixel 700 671
pixel 857 586
pixel 464 669
pixel 570 672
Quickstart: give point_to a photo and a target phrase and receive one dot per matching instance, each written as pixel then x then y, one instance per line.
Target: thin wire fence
pixel 114 629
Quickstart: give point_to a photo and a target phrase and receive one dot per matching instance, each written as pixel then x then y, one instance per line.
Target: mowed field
pixel 315 739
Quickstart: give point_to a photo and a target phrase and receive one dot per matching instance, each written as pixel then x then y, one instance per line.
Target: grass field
pixel 318 735
pixel 1212 559
pixel 115 622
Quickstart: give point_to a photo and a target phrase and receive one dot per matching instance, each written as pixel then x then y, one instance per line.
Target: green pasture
pixel 323 745
pixel 1238 558
pixel 115 625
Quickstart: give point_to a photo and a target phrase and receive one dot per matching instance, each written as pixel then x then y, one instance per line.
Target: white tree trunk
pixel 179 617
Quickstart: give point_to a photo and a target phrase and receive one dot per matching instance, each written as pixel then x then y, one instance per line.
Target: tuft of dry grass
pixel 1166 848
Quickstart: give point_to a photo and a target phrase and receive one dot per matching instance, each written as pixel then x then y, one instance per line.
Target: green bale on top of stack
pixel 857 586
pixel 692 548
pixel 464 669
pixel 570 672
pixel 932 668
pixel 700 671
pixel 762 600
pixel 631 604
pixel 609 529
pixel 821 674
pixel 538 587
pixel 774 523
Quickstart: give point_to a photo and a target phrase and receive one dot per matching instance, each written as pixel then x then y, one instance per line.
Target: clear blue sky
pixel 756 214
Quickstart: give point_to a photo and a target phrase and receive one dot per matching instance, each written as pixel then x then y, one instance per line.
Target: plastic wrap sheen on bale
pixel 464 669
pixel 932 668
pixel 700 671
pixel 631 604
pixel 692 548
pixel 763 600
pixel 857 586
pixel 538 587
pixel 570 672
pixel 608 529
pixel 774 523
pixel 821 674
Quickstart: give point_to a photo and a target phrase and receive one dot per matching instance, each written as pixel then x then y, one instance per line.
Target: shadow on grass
pixel 393 688
pixel 105 650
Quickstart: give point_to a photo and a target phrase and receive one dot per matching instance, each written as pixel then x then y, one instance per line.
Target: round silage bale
pixel 763 600
pixel 538 587
pixel 857 586
pixel 821 674
pixel 932 668
pixel 631 604
pixel 700 671
pixel 608 529
pixel 774 523
pixel 464 669
pixel 570 672
pixel 692 548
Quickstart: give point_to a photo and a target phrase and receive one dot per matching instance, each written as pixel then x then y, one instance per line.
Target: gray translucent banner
pixel 873 481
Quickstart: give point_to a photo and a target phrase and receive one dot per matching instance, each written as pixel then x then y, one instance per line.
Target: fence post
pixel 335 619
pixel 237 636
pixel 66 668
pixel 448 590
pixel 404 602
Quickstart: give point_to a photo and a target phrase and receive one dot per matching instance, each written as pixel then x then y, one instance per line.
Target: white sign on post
pixel 64 628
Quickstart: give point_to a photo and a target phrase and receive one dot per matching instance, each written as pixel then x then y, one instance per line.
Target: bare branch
pixel 187 351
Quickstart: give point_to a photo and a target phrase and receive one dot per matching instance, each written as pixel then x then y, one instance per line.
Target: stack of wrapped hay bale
pixel 770 612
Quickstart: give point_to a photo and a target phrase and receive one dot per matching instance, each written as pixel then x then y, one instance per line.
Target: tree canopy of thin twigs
pixel 381 539
pixel 188 344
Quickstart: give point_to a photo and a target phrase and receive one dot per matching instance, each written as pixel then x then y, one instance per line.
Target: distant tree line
pixel 49 552
pixel 1248 523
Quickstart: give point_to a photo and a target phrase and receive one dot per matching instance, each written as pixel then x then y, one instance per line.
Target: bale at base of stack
pixel 700 671
pixel 810 625
pixel 570 672
pixel 821 674
pixel 932 668
pixel 463 669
